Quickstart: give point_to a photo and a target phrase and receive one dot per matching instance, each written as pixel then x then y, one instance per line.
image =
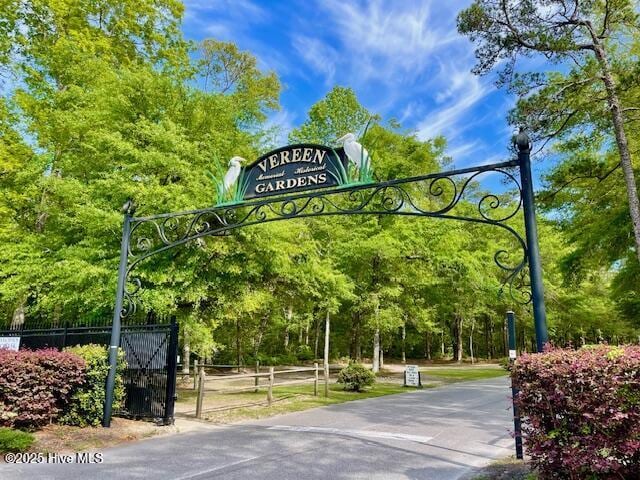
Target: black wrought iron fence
pixel 150 351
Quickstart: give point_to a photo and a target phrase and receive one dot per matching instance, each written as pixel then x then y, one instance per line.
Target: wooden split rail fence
pixel 202 377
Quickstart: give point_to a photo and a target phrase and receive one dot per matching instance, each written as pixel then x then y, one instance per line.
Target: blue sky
pixel 404 59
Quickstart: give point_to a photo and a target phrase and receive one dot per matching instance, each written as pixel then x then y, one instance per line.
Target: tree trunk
pixel 259 336
pixel 327 325
pixel 306 332
pixel 288 317
pixel 427 345
pixel 457 338
pixel 381 358
pixel 186 352
pixel 404 343
pixel 486 336
pixel 621 137
pixel 442 350
pixel 238 346
pixel 473 324
pixel 18 317
pixel 376 351
pixel 491 343
pixel 354 335
pixel 315 348
pixel 358 339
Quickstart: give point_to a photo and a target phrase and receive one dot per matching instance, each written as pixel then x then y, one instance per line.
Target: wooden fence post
pixel 315 380
pixel 326 380
pixel 201 376
pixel 257 379
pixel 195 374
pixel 270 390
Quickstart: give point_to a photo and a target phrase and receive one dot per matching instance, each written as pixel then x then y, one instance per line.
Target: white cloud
pixel 399 53
pixel 389 37
pixel 404 59
pixel 450 120
pixel 462 150
pixel 318 55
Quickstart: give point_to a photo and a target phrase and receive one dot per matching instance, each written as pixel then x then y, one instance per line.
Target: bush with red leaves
pixel 36 385
pixel 581 411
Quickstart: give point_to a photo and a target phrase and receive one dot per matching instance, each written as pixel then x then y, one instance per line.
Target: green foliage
pixel 109 102
pixel 356 377
pixel 304 353
pixel 112 111
pixel 274 360
pixel 15 440
pixel 87 403
pixel 568 109
pixel 330 118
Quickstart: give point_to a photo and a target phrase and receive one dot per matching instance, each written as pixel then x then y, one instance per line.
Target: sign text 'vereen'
pixel 294 168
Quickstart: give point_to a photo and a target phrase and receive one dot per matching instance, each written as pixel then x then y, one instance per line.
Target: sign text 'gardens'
pixel 295 168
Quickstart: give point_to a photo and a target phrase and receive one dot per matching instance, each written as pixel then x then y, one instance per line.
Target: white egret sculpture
pixel 231 177
pixel 356 153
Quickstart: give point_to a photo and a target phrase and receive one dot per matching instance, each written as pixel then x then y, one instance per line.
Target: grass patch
pixel 15 440
pixel 287 399
pixel 462 374
pixel 504 469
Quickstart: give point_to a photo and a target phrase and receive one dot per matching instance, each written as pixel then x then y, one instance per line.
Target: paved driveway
pixel 441 433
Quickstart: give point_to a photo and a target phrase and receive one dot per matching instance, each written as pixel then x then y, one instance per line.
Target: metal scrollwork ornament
pixel 432 196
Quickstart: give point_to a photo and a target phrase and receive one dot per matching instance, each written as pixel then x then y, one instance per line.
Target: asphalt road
pixel 441 433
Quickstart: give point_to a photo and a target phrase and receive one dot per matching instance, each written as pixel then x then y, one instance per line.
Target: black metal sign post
pixel 511 333
pixel 533 250
pixel 172 372
pixel 128 209
pixel 290 183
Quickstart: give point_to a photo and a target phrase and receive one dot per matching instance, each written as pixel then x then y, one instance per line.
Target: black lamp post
pixel 523 144
pixel 128 209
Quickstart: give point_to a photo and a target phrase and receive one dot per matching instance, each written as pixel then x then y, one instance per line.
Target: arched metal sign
pixel 435 195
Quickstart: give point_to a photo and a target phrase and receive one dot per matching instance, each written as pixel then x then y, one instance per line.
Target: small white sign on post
pixel 412 376
pixel 10 343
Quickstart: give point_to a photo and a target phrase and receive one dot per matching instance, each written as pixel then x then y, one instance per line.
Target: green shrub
pixel 355 377
pixel 274 360
pixel 87 403
pixel 505 363
pixel 304 353
pixel 14 440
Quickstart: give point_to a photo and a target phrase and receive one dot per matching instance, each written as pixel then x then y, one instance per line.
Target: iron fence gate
pixel 151 356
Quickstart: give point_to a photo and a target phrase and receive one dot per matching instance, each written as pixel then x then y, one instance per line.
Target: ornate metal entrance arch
pixel 436 195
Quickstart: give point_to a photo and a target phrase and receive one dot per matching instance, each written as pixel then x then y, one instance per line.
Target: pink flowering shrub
pixel 581 411
pixel 36 385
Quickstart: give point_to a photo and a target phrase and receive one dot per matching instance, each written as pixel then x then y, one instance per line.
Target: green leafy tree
pixel 589 40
